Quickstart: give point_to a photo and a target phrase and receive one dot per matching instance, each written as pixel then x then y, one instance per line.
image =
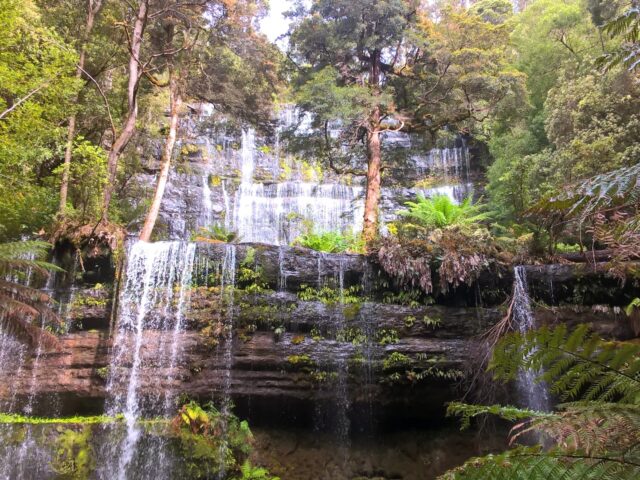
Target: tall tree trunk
pixel 372 199
pixel 135 73
pixel 175 102
pixel 374 158
pixel 92 10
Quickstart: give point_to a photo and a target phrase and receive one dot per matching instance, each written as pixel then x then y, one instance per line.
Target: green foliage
pixel 596 436
pixel 627 27
pixel 87 178
pixel 396 360
pixel 210 442
pixel 74 457
pixel 37 84
pixel 330 296
pixel 330 242
pixel 216 233
pixel 440 212
pixel 250 472
pixel 387 336
pixel 576 365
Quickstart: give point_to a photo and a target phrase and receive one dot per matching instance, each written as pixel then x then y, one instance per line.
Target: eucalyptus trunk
pixel 374 176
pixel 374 158
pixel 152 215
pixel 135 73
pixel 92 10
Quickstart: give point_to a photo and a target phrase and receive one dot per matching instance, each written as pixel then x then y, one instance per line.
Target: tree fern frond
pixel 575 366
pixel 534 464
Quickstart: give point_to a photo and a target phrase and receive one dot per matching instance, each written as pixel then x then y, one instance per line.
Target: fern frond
pixel 576 366
pixel 534 464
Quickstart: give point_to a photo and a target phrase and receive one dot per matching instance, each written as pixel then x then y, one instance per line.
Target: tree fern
pixel 21 305
pixel 627 27
pixel 611 189
pixel 575 366
pixel 596 436
pixel 440 212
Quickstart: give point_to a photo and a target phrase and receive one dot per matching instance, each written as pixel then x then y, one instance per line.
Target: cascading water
pixel 535 395
pixel 445 162
pixel 275 213
pixel 227 287
pixel 152 303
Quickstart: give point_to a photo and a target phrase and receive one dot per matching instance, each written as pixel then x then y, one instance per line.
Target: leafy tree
pixel 187 46
pixel 37 84
pixel 368 67
pixel 347 51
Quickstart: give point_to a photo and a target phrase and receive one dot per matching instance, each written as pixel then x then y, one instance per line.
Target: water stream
pixel 534 395
pixel 151 311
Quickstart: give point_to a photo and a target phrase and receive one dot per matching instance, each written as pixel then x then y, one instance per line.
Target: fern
pixel 20 305
pixel 626 26
pixel 440 212
pixel 575 366
pixel 597 436
pixel 615 188
pixel 534 464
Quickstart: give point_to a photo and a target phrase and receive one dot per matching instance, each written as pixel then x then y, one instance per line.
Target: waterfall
pixel 457 193
pixel 444 162
pixel 248 155
pixel 207 206
pixel 227 287
pixel 151 304
pixel 275 213
pixel 535 395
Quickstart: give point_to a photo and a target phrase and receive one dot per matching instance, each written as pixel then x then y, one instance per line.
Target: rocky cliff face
pixel 310 332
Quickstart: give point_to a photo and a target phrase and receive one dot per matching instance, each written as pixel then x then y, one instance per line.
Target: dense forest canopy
pixel 98 95
pixel 551 88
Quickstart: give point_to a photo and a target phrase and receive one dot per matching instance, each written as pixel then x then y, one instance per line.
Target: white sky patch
pixel 274 24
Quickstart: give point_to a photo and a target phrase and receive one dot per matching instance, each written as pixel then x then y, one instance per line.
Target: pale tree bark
pixel 135 73
pixel 92 10
pixel 175 104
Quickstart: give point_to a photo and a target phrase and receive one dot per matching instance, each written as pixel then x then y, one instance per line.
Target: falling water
pixel 456 193
pixel 444 162
pixel 152 302
pixel 206 217
pixel 535 395
pixel 275 213
pixel 227 287
pixel 248 155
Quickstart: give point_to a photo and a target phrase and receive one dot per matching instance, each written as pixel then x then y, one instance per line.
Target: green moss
pixel 74 456
pixel 300 360
pixel 103 372
pixel 298 339
pixel 12 418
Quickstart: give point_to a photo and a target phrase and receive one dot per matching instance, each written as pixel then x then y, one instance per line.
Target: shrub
pixel 440 212
pixel 330 242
